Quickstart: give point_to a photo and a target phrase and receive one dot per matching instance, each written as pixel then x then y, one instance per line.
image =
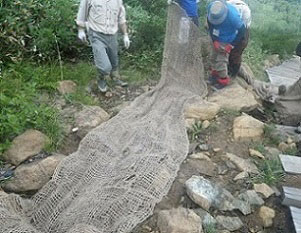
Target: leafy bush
pixel 37 29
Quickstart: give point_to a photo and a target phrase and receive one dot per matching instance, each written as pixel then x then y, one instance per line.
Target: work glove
pixel 228 48
pixel 126 41
pixel 82 35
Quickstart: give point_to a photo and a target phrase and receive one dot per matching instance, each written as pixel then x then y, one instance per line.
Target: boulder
pixel 207 219
pixel 251 197
pixel 207 194
pixel 201 111
pixel 234 97
pixel 25 146
pixel 89 118
pixel 66 87
pixel 247 128
pixel 244 165
pixel 264 189
pixel 256 153
pixel 229 223
pixel 241 176
pixel 179 220
pixel 205 124
pixel 267 215
pixel 33 176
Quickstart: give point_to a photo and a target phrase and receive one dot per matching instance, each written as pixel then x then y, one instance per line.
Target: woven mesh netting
pixel 124 167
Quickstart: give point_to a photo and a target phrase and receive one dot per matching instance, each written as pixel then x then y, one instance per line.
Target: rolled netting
pixel 125 166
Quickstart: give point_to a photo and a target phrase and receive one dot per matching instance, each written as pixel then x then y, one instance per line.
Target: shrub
pixel 36 29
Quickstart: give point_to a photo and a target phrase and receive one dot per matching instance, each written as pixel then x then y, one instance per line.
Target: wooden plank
pixel 296 215
pixel 291 164
pixel 285 74
pixel 292 197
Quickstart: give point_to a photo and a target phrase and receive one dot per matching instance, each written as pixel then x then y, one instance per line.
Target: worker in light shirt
pixel 101 19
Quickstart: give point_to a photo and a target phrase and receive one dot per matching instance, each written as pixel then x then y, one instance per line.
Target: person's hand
pixel 228 48
pixel 82 35
pixel 126 41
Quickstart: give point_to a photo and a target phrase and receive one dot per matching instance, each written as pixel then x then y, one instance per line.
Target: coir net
pixel 124 167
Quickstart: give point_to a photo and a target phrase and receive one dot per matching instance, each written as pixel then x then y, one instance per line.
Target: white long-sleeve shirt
pixel 101 15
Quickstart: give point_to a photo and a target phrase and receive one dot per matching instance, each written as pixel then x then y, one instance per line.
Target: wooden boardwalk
pixel 292 196
pixel 285 74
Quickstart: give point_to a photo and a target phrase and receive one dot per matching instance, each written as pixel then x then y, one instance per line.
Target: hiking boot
pixel 5 174
pixel 102 85
pixel 117 79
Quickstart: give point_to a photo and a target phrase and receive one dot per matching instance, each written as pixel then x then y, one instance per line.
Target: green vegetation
pixel 195 131
pixel 21 105
pixel 271 172
pixel 211 228
pixel 270 137
pixel 259 147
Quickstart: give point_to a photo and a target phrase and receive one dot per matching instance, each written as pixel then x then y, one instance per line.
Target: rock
pixel 230 165
pixel 202 111
pixel 205 124
pixel 66 87
pixel 234 97
pixel 216 150
pixel 25 146
pixel 241 176
pixel 251 197
pixel 33 176
pixel 246 128
pixel 145 88
pixel 256 153
pixel 207 194
pixel 200 156
pixel 189 122
pixel 109 94
pixel 267 215
pixel 273 153
pixel 204 147
pixel 179 221
pixel 207 219
pixel 242 164
pixel 230 223
pixel 89 118
pixel 222 169
pixel 289 140
pixel 283 146
pixel 203 166
pixel 264 189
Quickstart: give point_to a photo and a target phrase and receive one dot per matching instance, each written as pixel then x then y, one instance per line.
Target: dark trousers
pixel 235 57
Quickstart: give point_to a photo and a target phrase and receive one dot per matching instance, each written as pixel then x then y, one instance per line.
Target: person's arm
pixel 81 20
pixel 82 14
pixel 123 26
